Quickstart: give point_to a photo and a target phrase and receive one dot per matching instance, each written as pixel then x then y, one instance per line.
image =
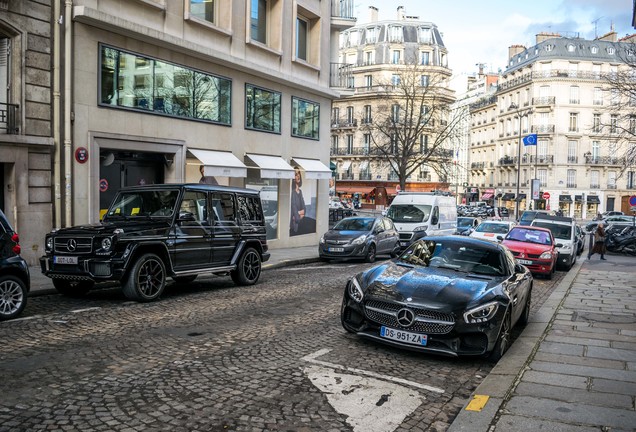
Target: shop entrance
pixel 119 169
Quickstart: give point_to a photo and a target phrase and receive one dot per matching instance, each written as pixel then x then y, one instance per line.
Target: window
pixel 258 20
pixel 302 28
pixel 571 48
pixel 598 96
pixel 594 49
pixel 631 180
pixel 424 79
pixel 596 150
pixel 394 143
pixel 203 9
pixel 542 174
pixel 368 81
pixel 349 144
pixel 262 109
pixel 425 57
pixel 542 147
pixel 335 116
pixel 574 68
pixel 350 115
pixel 596 123
pixel 162 88
pixel 611 179
pixel 367 114
pixel 594 179
pixel 425 36
pixel 367 143
pixel 614 123
pixel 395 113
pixel 371 35
pixel 632 124
pixel 395 56
pixel 571 178
pixel 423 143
pixel 610 50
pixel 572 147
pixel 369 57
pixel 395 33
pixel 334 144
pixel 574 122
pixel 305 118
pixel 395 79
pixel 574 94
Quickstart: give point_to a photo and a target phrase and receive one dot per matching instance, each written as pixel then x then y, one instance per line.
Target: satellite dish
pixel 108 158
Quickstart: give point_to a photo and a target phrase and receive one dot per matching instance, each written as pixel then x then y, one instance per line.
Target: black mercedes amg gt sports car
pixel 447 295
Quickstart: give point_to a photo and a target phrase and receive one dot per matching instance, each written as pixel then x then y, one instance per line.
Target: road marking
pixel 311 358
pixel 296 268
pixel 478 403
pixel 86 309
pixel 371 405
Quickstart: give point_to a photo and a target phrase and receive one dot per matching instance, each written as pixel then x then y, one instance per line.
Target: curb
pixel 504 377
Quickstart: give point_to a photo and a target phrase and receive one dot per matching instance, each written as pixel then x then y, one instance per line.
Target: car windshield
pixel 464 222
pixel 492 228
pixel 529 235
pixel 143 203
pixel 409 213
pixel 563 232
pixel 355 224
pixel 454 255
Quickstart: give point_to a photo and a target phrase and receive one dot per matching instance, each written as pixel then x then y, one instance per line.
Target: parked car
pixel 466 225
pixel 447 295
pixel 611 213
pixel 581 236
pixel 359 237
pixel 533 247
pixel 491 229
pixel 528 216
pixel 153 232
pixel 15 281
pixel 609 220
pixel 564 231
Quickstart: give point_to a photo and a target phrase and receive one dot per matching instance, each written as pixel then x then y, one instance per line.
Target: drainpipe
pixel 57 197
pixel 68 144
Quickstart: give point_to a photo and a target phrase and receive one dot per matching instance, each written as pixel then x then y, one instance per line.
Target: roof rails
pixel 553 218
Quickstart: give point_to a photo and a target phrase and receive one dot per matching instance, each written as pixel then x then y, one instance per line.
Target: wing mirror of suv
pixel 185 216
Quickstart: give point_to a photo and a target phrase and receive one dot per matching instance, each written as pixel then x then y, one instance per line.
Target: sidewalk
pixel 574 366
pixel 41 285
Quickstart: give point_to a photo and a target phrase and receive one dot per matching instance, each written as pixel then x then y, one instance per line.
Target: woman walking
pixel 599 242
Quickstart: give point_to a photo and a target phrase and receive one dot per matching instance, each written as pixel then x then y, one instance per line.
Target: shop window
pixel 262 109
pixel 305 118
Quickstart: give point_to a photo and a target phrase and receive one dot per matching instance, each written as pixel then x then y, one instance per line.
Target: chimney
pixel 513 50
pixel 373 14
pixel 400 13
pixel 545 36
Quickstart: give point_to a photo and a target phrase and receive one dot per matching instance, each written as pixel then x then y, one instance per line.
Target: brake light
pixel 16 248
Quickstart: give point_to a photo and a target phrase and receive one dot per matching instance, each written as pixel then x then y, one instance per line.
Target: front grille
pixel 384 313
pixel 82 245
pixel 533 256
pixel 337 242
pixel 405 236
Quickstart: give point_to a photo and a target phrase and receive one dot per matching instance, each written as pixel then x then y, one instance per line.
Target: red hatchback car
pixel 533 247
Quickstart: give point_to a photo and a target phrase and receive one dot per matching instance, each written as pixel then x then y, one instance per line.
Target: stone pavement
pixel 574 366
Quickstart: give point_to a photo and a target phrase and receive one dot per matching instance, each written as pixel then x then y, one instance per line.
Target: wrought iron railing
pixel 9 114
pixel 342 9
pixel 341 75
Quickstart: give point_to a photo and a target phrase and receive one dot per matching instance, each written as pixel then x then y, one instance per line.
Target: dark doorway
pixel 610 204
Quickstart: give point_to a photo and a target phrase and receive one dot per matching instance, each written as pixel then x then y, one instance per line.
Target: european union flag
pixel 530 140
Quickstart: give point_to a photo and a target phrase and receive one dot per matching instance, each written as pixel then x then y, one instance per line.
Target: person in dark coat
pixel 599 242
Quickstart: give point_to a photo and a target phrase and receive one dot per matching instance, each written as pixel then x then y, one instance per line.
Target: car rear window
pixel 563 232
pixel 409 213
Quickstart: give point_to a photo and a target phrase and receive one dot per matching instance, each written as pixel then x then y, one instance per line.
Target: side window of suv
pixel 249 209
pixel 223 212
pixel 194 203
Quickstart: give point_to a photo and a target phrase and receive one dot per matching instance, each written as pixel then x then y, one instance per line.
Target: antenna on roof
pixel 595 22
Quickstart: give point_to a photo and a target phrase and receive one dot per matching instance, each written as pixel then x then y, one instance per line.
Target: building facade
pixel 380 54
pixel 556 89
pixel 27 125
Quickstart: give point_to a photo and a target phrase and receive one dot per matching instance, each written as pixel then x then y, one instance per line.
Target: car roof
pixel 197 186
pixel 531 227
pixel 558 219
pixel 472 241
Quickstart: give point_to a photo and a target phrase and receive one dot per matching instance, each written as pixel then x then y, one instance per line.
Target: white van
pixel 418 214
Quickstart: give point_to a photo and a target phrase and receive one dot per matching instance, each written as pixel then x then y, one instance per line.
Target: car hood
pixel 525 247
pixel 344 234
pixel 434 288
pixel 130 227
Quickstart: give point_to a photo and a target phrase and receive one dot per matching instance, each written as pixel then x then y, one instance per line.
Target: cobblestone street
pixel 211 356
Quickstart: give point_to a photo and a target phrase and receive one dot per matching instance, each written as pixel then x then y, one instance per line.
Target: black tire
pixel 13 297
pixel 525 315
pixel 72 288
pixel 184 279
pixel 370 257
pixel 146 279
pixel 248 269
pixel 503 340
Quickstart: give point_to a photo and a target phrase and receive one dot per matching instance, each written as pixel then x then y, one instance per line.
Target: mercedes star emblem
pixel 405 317
pixel 71 245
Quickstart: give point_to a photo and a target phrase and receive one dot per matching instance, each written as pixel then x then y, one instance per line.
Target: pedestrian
pixel 598 246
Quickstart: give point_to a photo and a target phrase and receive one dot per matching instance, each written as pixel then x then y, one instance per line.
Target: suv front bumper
pixel 96 269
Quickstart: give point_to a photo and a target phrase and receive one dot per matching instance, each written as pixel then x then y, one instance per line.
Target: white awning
pixel 272 166
pixel 345 165
pixel 314 169
pixel 364 165
pixel 220 163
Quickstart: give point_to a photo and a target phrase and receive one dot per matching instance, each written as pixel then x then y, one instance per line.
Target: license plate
pixel 402 336
pixel 65 260
pixel 404 244
pixel 332 249
pixel 525 262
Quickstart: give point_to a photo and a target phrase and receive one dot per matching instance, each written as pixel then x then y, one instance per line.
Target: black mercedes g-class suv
pixel 153 232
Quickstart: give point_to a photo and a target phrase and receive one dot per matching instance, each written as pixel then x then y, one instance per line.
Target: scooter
pixel 623 241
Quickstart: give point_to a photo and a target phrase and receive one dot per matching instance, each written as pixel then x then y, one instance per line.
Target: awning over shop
pixel 565 198
pixel 220 163
pixel 521 197
pixel 593 199
pixel 354 189
pixel 345 165
pixel 578 198
pixel 272 166
pixel 486 196
pixel 314 169
pixel 508 197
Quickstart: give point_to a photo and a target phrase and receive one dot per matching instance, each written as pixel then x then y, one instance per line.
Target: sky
pixel 481 31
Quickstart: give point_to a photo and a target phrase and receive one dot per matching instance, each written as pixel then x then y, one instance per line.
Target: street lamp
pixel 513 106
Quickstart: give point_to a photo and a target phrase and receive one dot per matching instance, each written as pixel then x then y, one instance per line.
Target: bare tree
pixel 413 124
pixel 621 111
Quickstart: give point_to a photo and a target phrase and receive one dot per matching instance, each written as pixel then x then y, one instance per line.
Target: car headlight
pixel 359 240
pixel 420 228
pixel 566 247
pixel 546 255
pixel 481 313
pixel 107 243
pixel 355 290
pixel 322 240
pixel 49 243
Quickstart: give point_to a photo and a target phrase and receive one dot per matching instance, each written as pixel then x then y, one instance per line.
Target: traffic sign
pixel 632 200
pixel 546 195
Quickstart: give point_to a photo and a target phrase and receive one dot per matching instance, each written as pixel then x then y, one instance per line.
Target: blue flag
pixel 530 140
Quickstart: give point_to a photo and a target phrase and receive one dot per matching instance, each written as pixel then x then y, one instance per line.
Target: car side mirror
pixel 500 238
pixel 378 230
pixel 185 216
pixel 519 268
pixel 434 220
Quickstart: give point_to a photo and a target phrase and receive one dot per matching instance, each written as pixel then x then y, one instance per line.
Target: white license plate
pixel 402 336
pixel 404 244
pixel 65 259
pixel 525 262
pixel 336 249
